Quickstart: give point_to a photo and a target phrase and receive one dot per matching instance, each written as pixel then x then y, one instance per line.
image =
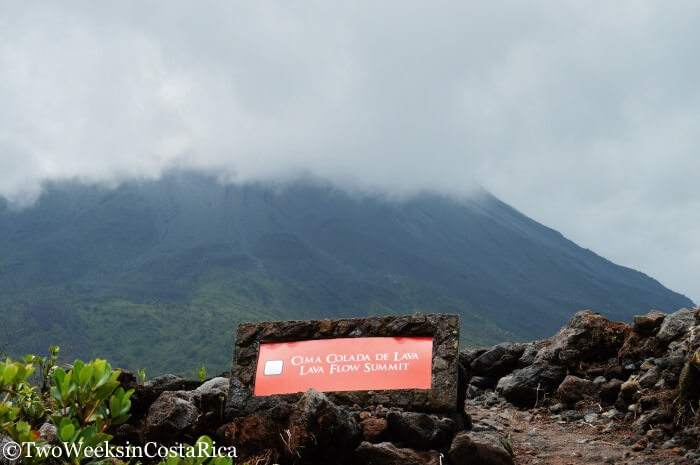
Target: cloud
pixel 584 116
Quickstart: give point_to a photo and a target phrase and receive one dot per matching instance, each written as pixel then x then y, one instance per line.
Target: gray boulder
pixel 529 354
pixel 214 386
pixel 468 355
pixel 47 432
pixel 526 386
pixel 498 361
pixel 171 417
pixel 210 397
pixel 650 378
pixel 675 325
pixel 587 337
pixel 146 394
pixel 420 430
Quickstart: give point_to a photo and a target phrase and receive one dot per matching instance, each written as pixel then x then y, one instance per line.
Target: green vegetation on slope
pixel 158 274
pixel 180 337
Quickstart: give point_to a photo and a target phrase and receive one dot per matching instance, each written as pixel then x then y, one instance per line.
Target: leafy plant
pixel 85 401
pixel 202 453
pixel 13 388
pixel 35 401
pixel 45 365
pixel 89 400
pixel 141 374
pixel 505 441
pixel 69 431
pixel 17 393
pixel 202 373
pixel 90 393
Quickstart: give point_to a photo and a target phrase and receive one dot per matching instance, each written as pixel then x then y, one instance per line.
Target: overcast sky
pixel 583 115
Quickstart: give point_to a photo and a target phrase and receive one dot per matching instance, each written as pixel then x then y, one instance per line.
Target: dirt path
pixel 541 439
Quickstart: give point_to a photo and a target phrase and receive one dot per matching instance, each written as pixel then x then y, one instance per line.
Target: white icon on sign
pixel 273 367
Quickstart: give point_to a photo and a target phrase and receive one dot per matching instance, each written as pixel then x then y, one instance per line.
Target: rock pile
pixel 643 378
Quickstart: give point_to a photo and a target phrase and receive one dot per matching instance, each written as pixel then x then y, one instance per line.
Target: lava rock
pixel 587 337
pixel 468 355
pixel 652 418
pixel 420 430
pixel 257 434
pixel 170 383
pixel 384 453
pixel 629 389
pixel 479 449
pixel 637 347
pixel 313 430
pixel 215 386
pixel 649 401
pixel 675 325
pixel 483 382
pixel 320 431
pixel 656 435
pixel 210 397
pixel 646 325
pixel 498 361
pixel 147 393
pixel 127 380
pixel 573 389
pixel 173 416
pixel 689 385
pixel 571 415
pixel 610 390
pixel 374 429
pixel 529 354
pixel 616 371
pixel 525 386
pixel 650 378
pixel 673 362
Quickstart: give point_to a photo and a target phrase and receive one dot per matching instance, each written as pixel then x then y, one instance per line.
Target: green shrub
pixel 45 366
pixel 82 402
pixel 204 444
pixel 20 401
pixel 90 394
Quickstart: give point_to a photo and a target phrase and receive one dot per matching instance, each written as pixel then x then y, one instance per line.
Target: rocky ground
pixel 596 392
pixel 541 438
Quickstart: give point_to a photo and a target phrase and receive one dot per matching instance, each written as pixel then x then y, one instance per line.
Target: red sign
pixel 349 364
